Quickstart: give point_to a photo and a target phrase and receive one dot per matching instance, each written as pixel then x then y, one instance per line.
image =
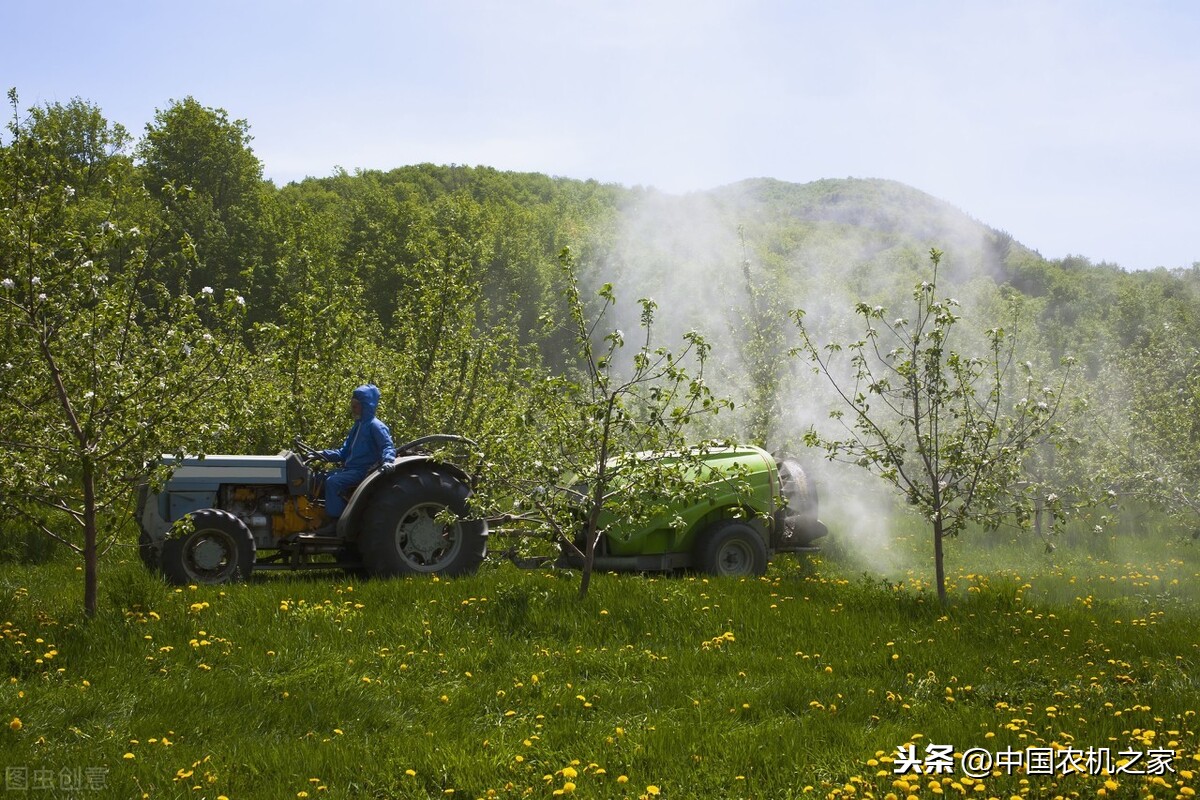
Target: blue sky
pixel 1074 126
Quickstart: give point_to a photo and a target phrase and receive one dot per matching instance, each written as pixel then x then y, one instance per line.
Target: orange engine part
pixel 298 516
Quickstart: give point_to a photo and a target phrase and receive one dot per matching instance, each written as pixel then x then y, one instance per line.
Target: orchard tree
pixel 947 429
pixel 103 370
pixel 594 442
pixel 763 341
pixel 1160 446
pixel 321 341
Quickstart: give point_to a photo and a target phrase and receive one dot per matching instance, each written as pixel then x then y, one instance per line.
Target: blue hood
pixel 368 397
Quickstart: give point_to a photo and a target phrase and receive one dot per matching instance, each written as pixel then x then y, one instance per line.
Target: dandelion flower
pixel 15 724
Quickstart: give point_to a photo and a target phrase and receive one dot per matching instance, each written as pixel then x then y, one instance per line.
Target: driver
pixel 368 445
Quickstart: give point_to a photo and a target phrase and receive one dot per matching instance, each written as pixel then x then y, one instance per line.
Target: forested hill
pixel 444 283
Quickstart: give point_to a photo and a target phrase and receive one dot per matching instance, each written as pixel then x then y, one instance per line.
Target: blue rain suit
pixel 368 444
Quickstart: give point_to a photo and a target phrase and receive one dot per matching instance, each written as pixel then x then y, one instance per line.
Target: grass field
pixel 802 684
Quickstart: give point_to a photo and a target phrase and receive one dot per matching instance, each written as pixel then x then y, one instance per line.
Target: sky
pixel 1072 125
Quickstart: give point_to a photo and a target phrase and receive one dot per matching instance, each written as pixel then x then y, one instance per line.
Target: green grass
pixel 505 684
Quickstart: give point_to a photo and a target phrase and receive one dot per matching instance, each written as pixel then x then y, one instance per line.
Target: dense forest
pixel 160 296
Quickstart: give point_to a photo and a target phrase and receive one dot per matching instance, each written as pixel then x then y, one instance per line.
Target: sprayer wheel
pixel 731 547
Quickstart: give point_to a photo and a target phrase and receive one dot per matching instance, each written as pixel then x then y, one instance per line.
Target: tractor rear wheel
pixel 731 547
pixel 417 524
pixel 218 549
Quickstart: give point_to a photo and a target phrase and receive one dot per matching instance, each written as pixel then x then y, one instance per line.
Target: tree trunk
pixel 598 491
pixel 90 554
pixel 939 566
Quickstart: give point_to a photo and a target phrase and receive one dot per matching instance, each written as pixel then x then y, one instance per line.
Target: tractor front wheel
pixel 417 524
pixel 731 547
pixel 218 549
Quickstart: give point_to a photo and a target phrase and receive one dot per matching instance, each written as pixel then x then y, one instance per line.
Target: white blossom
pixel 7 283
pixel 206 290
pixel 42 296
pixel 36 281
pixel 135 231
pixel 241 301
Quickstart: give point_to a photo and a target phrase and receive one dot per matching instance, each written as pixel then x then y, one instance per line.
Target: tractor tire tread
pixel 381 553
pixel 173 560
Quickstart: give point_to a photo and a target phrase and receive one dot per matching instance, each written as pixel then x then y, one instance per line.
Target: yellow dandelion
pixel 569 773
pixel 15 724
pixel 652 790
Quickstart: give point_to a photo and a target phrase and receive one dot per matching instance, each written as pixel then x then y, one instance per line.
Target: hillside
pixel 446 284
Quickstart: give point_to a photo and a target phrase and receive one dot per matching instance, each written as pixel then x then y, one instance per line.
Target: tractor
pixel 221 517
